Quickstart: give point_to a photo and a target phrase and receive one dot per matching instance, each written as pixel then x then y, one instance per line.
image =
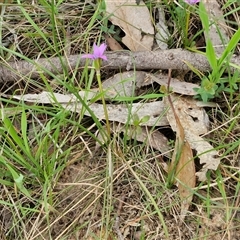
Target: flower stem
pixel 98 74
pixel 187 26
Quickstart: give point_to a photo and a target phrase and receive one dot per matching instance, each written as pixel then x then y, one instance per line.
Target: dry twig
pixel 125 60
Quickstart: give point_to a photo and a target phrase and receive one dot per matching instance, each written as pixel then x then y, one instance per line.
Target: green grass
pixel 56 185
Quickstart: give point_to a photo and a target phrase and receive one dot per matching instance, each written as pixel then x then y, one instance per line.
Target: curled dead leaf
pixel 182 167
pixel 195 122
pixel 112 43
pixel 153 139
pixel 135 20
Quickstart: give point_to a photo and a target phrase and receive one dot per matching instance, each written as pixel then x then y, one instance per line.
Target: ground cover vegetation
pixel 119 119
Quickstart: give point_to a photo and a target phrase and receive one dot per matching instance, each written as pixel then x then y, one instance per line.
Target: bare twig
pixel 125 60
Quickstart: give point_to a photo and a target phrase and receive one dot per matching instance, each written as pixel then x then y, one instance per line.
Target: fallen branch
pixel 124 60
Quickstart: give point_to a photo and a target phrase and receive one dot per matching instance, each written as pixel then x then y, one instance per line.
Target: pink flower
pixel 191 2
pixel 98 52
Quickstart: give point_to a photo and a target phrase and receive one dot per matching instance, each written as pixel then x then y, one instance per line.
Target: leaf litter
pixel 185 117
pixel 190 122
pixel 194 119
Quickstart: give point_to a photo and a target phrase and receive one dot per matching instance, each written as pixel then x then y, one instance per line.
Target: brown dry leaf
pixel 126 83
pixel 192 117
pixel 48 97
pixel 177 86
pixel 209 157
pixel 134 20
pixel 154 139
pixel 195 122
pixel 121 84
pixel 112 43
pixel 182 166
pixel 218 32
pixel 162 34
pixel 119 112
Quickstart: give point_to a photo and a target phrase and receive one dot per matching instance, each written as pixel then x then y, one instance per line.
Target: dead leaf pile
pixel 193 118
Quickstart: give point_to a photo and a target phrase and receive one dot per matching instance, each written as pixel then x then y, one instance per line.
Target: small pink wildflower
pixel 98 52
pixel 192 2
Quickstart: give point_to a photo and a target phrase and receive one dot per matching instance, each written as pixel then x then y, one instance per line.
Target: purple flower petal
pixel 90 56
pixel 98 52
pixel 104 57
pixel 102 48
pixel 191 2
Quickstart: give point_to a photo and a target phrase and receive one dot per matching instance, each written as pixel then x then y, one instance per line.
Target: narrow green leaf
pixel 231 45
pixel 18 178
pixel 12 132
pixel 204 17
pixel 211 55
pixel 24 131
